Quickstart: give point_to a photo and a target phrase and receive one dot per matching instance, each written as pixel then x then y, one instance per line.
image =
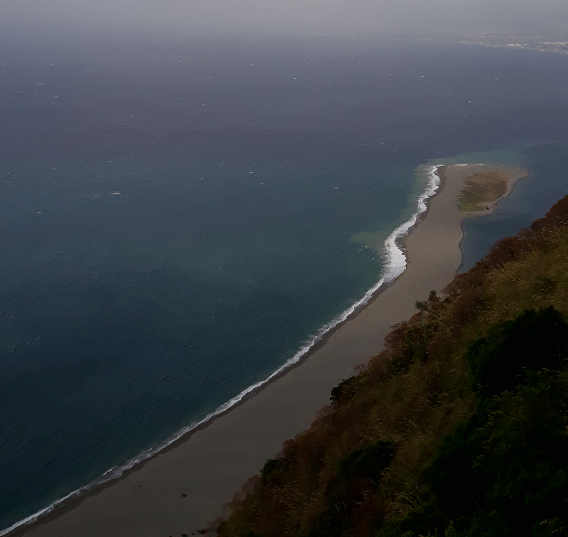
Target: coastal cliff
pixel 457 428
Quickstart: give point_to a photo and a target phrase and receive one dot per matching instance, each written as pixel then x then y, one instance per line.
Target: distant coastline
pixel 519 42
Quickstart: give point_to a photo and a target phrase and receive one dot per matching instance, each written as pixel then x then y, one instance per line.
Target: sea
pixel 181 215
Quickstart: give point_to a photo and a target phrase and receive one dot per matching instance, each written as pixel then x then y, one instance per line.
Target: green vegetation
pixel 503 471
pixel 459 428
pixel 482 190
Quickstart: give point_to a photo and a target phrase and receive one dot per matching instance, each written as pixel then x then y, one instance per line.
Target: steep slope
pixel 459 427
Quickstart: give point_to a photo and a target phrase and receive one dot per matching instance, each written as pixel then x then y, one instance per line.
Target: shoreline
pixel 514 175
pixel 397 244
pixel 41 523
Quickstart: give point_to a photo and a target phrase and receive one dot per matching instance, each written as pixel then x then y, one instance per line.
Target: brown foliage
pixel 412 394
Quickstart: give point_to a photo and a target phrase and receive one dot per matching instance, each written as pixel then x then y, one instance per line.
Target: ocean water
pixel 179 216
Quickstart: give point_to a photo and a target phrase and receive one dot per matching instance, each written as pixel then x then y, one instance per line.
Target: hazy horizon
pixel 330 18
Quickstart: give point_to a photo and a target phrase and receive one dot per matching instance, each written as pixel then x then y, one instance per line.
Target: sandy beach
pixel 183 489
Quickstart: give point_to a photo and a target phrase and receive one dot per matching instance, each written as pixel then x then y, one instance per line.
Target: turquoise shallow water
pixel 173 231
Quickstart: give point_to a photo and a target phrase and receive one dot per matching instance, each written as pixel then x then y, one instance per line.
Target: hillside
pixel 458 428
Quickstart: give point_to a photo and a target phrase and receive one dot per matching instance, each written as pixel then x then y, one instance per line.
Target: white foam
pixel 395 257
pixel 395 265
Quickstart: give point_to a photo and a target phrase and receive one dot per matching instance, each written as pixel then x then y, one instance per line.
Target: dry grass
pixel 482 190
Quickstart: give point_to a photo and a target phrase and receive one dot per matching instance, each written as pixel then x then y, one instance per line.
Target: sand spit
pixel 184 488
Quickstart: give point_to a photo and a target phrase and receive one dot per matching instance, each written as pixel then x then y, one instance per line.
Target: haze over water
pixel 180 191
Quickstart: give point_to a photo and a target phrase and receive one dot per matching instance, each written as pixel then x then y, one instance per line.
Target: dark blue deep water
pixel 177 215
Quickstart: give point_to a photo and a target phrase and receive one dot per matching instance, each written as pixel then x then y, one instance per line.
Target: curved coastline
pixel 395 264
pixel 208 468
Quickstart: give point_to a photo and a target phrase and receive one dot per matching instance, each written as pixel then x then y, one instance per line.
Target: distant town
pixel 521 42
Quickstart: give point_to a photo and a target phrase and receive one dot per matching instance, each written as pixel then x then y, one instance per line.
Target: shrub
pixel 534 340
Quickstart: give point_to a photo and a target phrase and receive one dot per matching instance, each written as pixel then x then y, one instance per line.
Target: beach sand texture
pixel 184 488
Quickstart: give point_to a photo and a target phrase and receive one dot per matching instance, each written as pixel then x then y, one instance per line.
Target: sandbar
pixel 183 489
